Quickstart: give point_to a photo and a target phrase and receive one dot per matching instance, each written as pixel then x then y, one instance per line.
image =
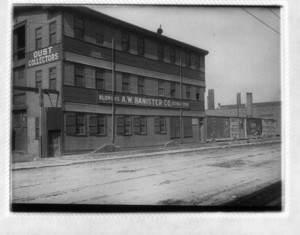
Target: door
pixel 175 127
pixel 54 144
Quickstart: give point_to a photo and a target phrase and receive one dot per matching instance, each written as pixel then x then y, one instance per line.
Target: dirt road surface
pixel 210 177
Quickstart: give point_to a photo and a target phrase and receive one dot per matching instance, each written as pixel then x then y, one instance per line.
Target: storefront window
pixel 97 124
pixel 139 125
pixel 160 125
pixel 124 125
pixel 75 124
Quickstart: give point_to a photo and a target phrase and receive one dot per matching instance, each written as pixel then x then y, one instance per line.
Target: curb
pixel 139 155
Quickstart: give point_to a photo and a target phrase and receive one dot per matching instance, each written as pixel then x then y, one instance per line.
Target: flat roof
pixel 96 14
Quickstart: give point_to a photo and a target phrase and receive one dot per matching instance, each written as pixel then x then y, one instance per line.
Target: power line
pixel 260 20
pixel 273 13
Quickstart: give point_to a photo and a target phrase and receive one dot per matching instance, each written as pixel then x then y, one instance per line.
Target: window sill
pixel 98 135
pixel 161 133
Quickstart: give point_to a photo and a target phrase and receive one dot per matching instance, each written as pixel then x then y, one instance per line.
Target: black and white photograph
pixel 170 117
pixel 146 108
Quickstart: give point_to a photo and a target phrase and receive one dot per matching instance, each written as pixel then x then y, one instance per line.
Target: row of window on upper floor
pixel 79 33
pixel 52 35
pixel 126 80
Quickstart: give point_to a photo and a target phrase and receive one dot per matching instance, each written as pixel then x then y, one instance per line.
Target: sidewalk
pixel 92 157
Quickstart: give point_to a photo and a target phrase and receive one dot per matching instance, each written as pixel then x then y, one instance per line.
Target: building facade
pixel 82 79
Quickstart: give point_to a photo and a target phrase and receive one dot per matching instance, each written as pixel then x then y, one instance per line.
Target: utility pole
pixel 41 99
pixel 113 92
pixel 180 74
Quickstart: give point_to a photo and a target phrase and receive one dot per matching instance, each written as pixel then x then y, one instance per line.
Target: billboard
pixel 237 128
pixel 254 127
pixel 218 127
pixel 269 127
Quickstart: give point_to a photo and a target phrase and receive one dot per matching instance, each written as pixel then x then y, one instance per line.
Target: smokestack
pixel 249 104
pixel 238 103
pixel 211 99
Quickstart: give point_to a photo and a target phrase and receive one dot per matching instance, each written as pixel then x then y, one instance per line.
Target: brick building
pixel 82 79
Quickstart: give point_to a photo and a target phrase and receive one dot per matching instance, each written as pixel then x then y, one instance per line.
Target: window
pixel 19 98
pixel 141 85
pixel 187 127
pixel 161 91
pixel 124 125
pixel 52 33
pixel 75 124
pixel 125 82
pixel 160 52
pixel 100 74
pixel 97 124
pixel 78 28
pixel 172 55
pixel 197 61
pixel 139 125
pixel 52 78
pixel 125 41
pixel 38 38
pixel 197 93
pixel 19 43
pixel 160 125
pixel 175 127
pixel 38 79
pixel 188 59
pixel 140 46
pixel 173 89
pixel 19 73
pixel 188 91
pixel 99 35
pixel 37 128
pixel 79 75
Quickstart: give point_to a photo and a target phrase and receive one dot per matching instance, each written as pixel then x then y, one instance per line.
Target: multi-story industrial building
pixel 82 79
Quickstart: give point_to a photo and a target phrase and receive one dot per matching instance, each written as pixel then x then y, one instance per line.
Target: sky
pixel 243 44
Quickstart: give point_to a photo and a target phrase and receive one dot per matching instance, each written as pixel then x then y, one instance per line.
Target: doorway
pixel 54 143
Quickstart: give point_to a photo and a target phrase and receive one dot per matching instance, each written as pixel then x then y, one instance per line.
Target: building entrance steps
pixel 135 153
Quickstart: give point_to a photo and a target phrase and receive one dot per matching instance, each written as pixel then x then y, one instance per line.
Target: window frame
pixel 188 59
pixel 172 56
pixel 52 34
pixel 100 79
pixel 37 128
pixel 173 89
pixel 160 52
pixel 41 78
pixel 138 123
pixel 160 125
pixel 125 41
pixel 38 38
pixel 51 79
pixel 187 91
pixel 197 93
pixel 76 124
pixel 197 62
pixel 100 122
pixel 140 46
pixel 78 28
pixel 99 35
pixel 125 82
pixel 121 125
pixel 77 75
pixel 161 88
pixel 141 85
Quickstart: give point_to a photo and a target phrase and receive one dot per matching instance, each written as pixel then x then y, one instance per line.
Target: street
pixel 210 177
